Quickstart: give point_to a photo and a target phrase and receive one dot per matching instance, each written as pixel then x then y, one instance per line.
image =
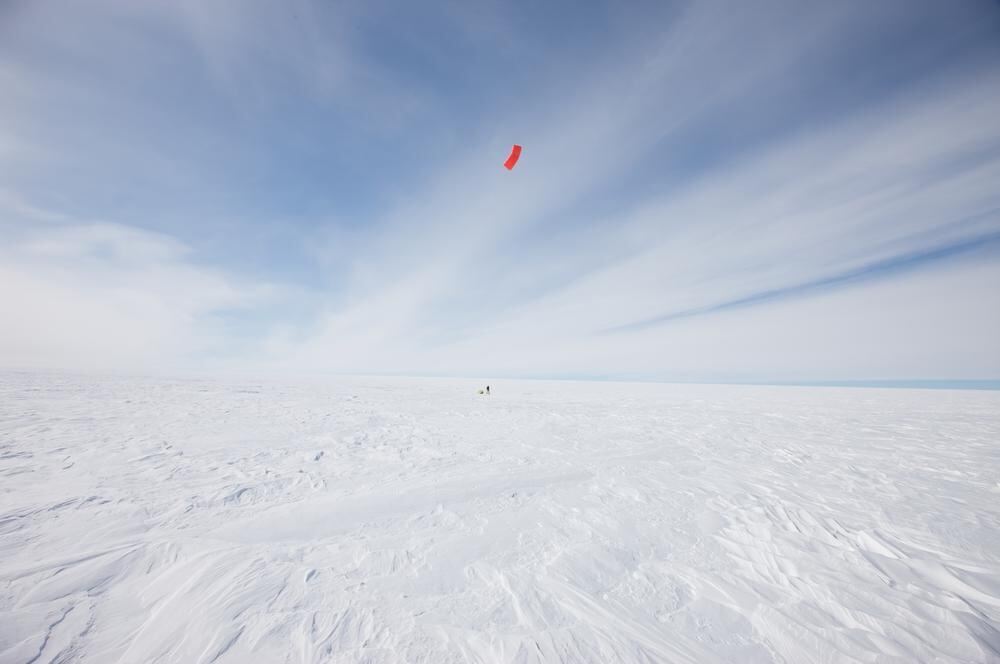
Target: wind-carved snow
pixel 386 520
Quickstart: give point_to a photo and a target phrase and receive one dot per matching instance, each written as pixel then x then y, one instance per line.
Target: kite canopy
pixel 515 154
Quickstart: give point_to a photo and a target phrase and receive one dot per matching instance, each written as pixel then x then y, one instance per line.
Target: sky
pixel 709 191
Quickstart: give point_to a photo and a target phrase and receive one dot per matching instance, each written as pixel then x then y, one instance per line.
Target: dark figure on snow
pixel 487 389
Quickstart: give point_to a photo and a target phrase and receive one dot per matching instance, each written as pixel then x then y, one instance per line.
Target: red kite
pixel 515 154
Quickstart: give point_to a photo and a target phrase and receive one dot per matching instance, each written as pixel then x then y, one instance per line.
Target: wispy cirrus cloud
pixel 107 296
pixel 706 190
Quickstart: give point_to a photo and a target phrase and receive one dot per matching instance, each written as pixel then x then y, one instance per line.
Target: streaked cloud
pixel 317 187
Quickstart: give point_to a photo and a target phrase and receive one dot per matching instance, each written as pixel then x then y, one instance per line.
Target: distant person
pixel 487 390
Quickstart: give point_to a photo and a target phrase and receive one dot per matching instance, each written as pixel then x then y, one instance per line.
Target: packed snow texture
pixel 399 520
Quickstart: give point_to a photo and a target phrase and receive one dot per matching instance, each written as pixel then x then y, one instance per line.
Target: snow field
pixel 405 520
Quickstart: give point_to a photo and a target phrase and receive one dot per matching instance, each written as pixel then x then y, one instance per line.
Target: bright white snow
pixel 392 520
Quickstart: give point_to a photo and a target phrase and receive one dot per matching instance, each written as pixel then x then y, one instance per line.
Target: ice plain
pixel 414 520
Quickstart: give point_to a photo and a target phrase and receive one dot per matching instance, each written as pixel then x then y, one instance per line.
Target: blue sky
pixel 768 191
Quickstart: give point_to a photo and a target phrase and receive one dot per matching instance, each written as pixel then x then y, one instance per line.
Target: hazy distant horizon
pixel 286 378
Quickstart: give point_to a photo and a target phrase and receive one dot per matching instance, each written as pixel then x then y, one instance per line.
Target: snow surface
pixel 398 520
